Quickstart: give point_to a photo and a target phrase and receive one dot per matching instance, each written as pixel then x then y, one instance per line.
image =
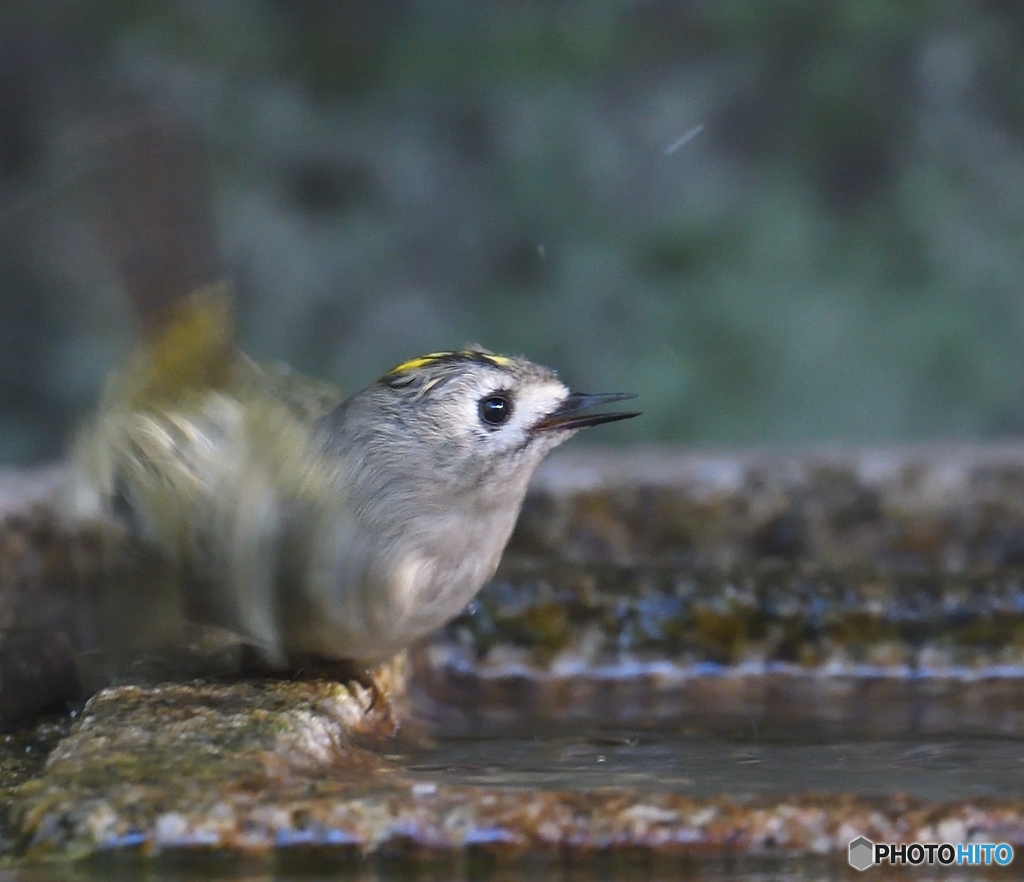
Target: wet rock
pixel 147 763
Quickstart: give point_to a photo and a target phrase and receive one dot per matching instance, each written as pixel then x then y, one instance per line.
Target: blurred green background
pixel 836 257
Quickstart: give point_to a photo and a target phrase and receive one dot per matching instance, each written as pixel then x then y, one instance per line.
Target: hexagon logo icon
pixel 862 853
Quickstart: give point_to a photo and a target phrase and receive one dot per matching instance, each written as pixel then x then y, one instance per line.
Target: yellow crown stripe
pixel 499 360
pixel 415 363
pixel 422 361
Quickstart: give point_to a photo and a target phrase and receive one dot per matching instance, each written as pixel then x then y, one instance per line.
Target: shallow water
pixel 678 760
pixel 934 770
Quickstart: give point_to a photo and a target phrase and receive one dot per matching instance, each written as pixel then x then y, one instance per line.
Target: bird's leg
pixel 253 664
pixel 341 671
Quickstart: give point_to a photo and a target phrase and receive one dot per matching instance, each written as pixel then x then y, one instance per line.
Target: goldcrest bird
pixel 312 525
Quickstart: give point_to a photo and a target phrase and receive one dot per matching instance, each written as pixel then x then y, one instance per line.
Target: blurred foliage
pixel 836 257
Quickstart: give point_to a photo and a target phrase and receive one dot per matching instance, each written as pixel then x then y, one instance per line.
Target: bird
pixel 311 524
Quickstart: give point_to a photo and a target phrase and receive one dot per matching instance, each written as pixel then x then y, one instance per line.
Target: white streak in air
pixel 685 139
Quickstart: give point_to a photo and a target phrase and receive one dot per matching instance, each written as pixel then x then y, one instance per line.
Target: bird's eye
pixel 495 410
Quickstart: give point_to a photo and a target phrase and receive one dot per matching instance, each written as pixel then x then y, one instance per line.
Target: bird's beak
pixel 567 414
